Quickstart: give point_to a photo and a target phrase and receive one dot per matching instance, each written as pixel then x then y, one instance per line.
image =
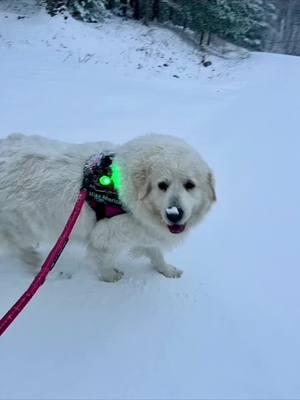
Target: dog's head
pixel 165 182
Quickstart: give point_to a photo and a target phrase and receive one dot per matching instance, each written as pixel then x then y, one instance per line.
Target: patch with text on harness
pixel 101 180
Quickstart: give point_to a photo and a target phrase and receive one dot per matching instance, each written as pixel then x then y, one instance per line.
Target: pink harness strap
pixel 46 267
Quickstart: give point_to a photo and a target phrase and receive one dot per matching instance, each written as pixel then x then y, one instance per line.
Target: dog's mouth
pixel 176 228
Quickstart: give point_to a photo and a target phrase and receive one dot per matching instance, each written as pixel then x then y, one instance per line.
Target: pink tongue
pixel 176 228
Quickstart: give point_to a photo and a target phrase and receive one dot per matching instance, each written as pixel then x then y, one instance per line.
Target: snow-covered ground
pixel 230 327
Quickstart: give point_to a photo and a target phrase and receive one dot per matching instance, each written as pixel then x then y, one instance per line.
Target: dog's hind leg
pixel 31 256
pixel 157 261
pixel 25 245
pixel 28 253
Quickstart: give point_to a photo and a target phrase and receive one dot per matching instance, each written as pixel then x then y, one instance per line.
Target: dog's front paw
pixel 170 272
pixel 110 275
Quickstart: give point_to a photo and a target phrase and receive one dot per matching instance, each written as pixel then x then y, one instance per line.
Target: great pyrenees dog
pixel 165 187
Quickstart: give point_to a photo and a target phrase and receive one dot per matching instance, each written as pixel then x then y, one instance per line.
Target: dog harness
pixel 100 179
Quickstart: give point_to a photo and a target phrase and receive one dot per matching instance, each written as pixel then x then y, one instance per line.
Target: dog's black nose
pixel 174 214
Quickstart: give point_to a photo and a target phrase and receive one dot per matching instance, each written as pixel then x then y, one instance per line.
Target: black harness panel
pixel 102 196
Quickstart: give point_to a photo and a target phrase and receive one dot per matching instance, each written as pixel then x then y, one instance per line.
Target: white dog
pixel 164 186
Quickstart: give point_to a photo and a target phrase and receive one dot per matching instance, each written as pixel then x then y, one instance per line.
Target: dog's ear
pixel 211 185
pixel 142 183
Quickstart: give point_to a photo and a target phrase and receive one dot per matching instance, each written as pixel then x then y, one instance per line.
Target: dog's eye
pixel 189 185
pixel 163 186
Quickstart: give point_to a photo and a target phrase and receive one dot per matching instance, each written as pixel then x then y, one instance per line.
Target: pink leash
pixel 46 267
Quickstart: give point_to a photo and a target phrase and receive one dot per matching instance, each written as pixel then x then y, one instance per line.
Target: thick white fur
pixel 40 180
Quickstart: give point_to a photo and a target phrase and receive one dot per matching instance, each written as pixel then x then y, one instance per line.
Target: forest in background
pixel 261 25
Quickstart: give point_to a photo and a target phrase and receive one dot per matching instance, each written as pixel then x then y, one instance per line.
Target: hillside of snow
pixel 229 328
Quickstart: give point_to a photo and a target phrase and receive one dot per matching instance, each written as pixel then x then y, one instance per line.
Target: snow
pixel 172 210
pixel 230 326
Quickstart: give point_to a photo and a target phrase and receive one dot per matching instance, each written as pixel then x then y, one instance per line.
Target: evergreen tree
pixel 243 22
pixel 240 21
pixel 55 7
pixel 87 10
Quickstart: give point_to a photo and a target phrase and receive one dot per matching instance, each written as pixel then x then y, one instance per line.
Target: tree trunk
pixel 147 10
pixel 155 10
pixel 201 38
pixel 171 14
pixel 111 4
pixel 123 7
pixel 135 4
pixel 208 39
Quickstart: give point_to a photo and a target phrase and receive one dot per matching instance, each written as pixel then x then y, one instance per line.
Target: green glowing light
pixel 115 175
pixel 105 180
